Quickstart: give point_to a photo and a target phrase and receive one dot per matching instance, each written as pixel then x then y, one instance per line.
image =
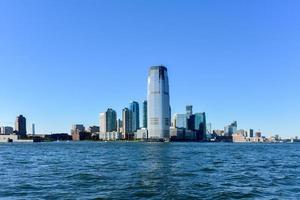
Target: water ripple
pixel 90 170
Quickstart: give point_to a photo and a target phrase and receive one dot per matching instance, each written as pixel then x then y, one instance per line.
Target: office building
pixel 111 120
pixel 108 125
pixel 158 104
pixel 20 125
pixel 180 121
pixel 127 124
pixel 200 125
pixel 231 129
pixel 144 114
pixel 120 125
pixel 189 110
pixel 135 115
pixel 103 122
pixel 251 133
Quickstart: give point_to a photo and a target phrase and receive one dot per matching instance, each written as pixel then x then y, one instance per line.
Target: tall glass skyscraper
pixel 145 114
pixel 111 120
pixel 200 125
pixel 108 121
pixel 180 121
pixel 158 104
pixel 135 115
pixel 127 123
pixel 189 110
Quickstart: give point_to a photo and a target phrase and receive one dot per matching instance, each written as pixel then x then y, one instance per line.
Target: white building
pixel 158 104
pixel 12 138
pixel 141 134
pixel 102 123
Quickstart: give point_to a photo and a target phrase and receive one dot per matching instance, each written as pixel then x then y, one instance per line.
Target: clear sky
pixel 63 62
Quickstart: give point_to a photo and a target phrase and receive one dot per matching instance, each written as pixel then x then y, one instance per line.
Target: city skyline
pixel 241 67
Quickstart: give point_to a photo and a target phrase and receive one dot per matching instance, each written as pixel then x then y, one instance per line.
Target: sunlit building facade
pixel 135 115
pixel 158 104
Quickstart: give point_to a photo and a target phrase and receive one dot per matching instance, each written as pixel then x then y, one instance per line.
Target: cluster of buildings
pixel 153 123
pixel 156 115
pixel 157 123
pixel 17 134
pixel 189 127
pixel 232 133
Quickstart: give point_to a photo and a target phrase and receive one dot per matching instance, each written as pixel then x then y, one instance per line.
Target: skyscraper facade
pixel 231 129
pixel 197 123
pixel 180 121
pixel 119 126
pixel 127 124
pixel 200 125
pixel 20 125
pixel 135 115
pixel 108 121
pixel 189 110
pixel 145 114
pixel 103 122
pixel 251 133
pixel 111 120
pixel 158 108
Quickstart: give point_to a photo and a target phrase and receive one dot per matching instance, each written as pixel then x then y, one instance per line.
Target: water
pixel 91 170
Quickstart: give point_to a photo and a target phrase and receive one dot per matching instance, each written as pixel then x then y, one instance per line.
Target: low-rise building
pixel 141 134
pixel 239 137
pixel 110 136
pixel 12 138
pixel 177 134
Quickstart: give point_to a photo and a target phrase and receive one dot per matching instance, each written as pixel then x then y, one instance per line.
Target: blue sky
pixel 63 62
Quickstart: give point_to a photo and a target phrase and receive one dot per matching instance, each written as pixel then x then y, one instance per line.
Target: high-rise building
pixel 108 125
pixel 189 110
pixel 120 126
pixel 180 121
pixel 135 115
pixel 144 114
pixel 20 125
pixel 231 129
pixel 158 108
pixel 111 120
pixel 251 133
pixel 103 122
pixel 197 123
pixel 127 124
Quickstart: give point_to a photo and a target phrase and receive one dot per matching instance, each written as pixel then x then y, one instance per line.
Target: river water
pixel 133 170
